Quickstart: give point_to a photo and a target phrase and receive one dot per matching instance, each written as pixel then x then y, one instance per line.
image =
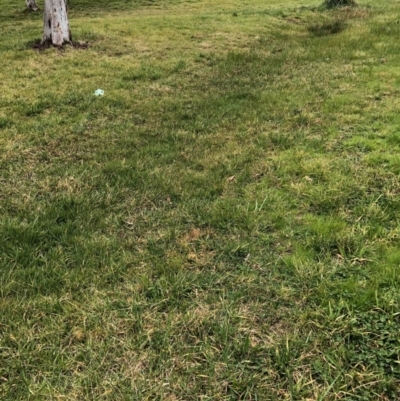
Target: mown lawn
pixel 223 224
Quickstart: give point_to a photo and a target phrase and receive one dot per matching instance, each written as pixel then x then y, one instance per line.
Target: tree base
pixel 49 41
pixel 47 44
pixel 31 5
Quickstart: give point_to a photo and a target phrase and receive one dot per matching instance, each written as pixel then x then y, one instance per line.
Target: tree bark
pixel 56 27
pixel 31 5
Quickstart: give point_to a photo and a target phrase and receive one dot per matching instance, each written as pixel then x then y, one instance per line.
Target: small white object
pixel 99 92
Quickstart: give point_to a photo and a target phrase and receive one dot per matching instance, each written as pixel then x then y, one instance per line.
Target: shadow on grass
pixel 13 13
pixel 339 3
pixel 77 7
pixel 117 5
pixel 329 28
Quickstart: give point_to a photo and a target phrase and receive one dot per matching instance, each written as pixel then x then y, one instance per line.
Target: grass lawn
pixel 221 225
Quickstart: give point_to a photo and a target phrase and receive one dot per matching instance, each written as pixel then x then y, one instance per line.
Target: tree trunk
pixel 31 5
pixel 56 28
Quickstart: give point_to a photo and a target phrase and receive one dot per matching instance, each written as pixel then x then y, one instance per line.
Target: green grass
pixel 222 224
